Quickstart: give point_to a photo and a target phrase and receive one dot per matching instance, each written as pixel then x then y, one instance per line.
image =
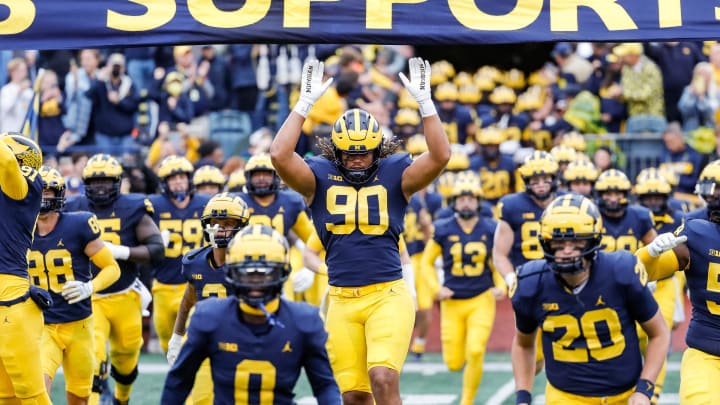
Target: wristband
pixel 523 397
pixel 427 108
pixel 645 387
pixel 303 107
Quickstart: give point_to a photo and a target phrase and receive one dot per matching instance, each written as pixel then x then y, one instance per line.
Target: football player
pixel 223 217
pixel 580 177
pixel 625 225
pixel 58 262
pixel 586 303
pixel 178 211
pixel 691 249
pixel 21 379
pixel 256 341
pixel 285 211
pixel 133 238
pixel 497 171
pixel 236 181
pixel 357 191
pixel 467 296
pixel 702 212
pixel 208 180
pixel 456 118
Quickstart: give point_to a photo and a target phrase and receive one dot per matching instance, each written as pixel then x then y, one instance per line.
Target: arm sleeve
pixel 109 269
pixel 181 376
pixel 317 365
pixel 303 227
pixel 12 181
pixel 427 266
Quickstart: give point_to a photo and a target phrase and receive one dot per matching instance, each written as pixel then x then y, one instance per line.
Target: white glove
pixel 174 346
pixel 311 86
pixel 419 85
pixel 664 242
pixel 165 235
pixel 302 279
pixel 510 280
pixel 76 291
pixel 119 252
pixel 145 296
pixel 652 286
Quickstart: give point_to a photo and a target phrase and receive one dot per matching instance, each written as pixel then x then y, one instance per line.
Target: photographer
pixel 115 102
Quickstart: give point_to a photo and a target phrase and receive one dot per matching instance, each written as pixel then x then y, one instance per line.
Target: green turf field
pixel 427 382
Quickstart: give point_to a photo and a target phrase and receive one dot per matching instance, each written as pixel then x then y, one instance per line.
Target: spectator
pixel 50 124
pixel 174 103
pixel 198 88
pixel 642 89
pixel 685 161
pixel 700 99
pixel 140 65
pixel 78 105
pixel 210 154
pixel 243 79
pixel 604 159
pixel 571 66
pixel 219 75
pixel 15 96
pixel 115 102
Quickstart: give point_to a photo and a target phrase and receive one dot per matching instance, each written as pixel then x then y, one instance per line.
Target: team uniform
pixel 208 281
pixel 699 369
pixel 700 213
pixel 186 233
pixel 68 340
pixel 455 122
pixel 414 238
pixel 589 339
pixel 22 322
pixel 250 363
pixel 626 232
pixel 466 318
pixel 523 216
pixel 117 310
pixel 486 211
pixel 497 179
pixel 369 301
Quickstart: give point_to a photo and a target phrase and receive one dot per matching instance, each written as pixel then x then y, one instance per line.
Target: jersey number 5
pixel 355 205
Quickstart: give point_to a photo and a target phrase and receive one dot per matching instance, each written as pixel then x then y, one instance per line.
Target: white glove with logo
pixel 302 279
pixel 419 85
pixel 664 242
pixel 174 346
pixel 311 86
pixel 510 280
pixel 76 291
pixel 119 252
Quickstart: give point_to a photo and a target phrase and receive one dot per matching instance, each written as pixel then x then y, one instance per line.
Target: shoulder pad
pixel 210 312
pixel 193 254
pixel 529 276
pixel 305 316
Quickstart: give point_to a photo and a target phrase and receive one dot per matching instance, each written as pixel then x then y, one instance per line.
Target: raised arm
pixel 12 181
pixel 429 165
pixel 289 165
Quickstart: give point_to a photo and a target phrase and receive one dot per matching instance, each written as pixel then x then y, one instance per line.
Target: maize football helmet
pixel 357 132
pixel 54 181
pixel 652 191
pixel 208 176
pixel 571 217
pixel 466 183
pixel 261 163
pixel 26 151
pixel 257 263
pixel 539 163
pixel 98 169
pixel 612 180
pixel 236 181
pixel 172 166
pixel 707 188
pixel 224 206
pixel 459 159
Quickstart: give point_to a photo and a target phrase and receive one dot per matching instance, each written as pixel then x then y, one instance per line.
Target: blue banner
pixel 57 24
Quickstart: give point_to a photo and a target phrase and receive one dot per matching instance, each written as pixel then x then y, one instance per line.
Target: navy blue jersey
pixel 59 257
pixel 523 216
pixel 432 202
pixel 679 205
pixel 455 122
pixel 703 280
pixel 466 255
pixel 700 213
pixel 186 234
pixel 254 363
pixel 668 222
pixel 626 232
pixel 118 223
pixel 198 270
pixel 589 339
pixel 360 226
pixel 18 225
pixel 486 211
pixel 281 214
pixel 497 179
